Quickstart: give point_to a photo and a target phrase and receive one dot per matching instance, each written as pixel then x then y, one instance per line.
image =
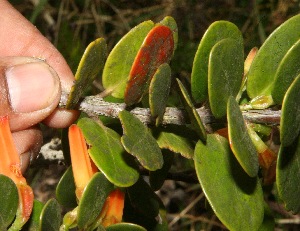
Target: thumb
pixel 29 91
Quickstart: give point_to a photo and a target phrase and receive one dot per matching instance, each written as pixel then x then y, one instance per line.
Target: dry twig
pixel 95 105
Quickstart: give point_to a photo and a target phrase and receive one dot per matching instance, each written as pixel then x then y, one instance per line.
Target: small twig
pixel 294 221
pixel 202 219
pixel 186 210
pixel 95 105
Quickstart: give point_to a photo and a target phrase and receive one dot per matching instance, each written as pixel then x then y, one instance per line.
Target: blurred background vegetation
pixel 72 24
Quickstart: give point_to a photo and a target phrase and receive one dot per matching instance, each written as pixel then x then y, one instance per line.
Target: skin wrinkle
pixel 31 46
pixel 26 40
pixel 54 82
pixel 20 42
pixel 19 121
pixel 23 116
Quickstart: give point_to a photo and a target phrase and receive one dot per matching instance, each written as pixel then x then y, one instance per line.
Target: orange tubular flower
pixel 83 167
pixel 266 157
pixel 10 166
pixel 112 211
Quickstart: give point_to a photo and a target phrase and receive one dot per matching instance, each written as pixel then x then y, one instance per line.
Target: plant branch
pixel 95 105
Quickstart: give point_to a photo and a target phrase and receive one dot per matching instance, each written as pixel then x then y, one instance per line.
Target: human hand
pixel 30 88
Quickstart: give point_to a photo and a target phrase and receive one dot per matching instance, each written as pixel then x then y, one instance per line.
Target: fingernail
pixel 31 86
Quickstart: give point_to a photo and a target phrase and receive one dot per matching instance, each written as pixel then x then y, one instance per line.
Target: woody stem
pixel 95 105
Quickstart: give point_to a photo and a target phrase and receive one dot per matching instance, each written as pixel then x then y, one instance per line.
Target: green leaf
pixel 65 190
pixel 287 172
pixel 225 73
pixel 34 221
pixel 9 201
pixel 93 199
pixel 119 62
pixel 125 227
pixel 178 139
pixel 290 114
pixel 192 112
pixel 287 71
pixel 159 91
pixel 269 221
pixel 259 102
pixel 90 65
pixel 216 32
pixel 171 23
pixel 157 49
pixel 143 199
pixel 157 178
pixel 108 153
pixel 50 218
pixel 262 72
pixel 236 198
pixel 139 142
pixel 240 141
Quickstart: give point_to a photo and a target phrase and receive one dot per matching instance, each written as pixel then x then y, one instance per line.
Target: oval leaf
pixel 139 142
pixel 90 65
pixel 287 170
pixel 50 218
pixel 34 222
pixel 236 198
pixel 125 227
pixel 159 91
pixel 225 73
pixel 290 117
pixel 265 64
pixel 92 200
pixel 216 32
pixel 9 201
pixel 192 112
pixel 177 139
pixel 240 141
pixel 108 153
pixel 287 71
pixel 65 190
pixel 269 221
pixel 117 67
pixel 171 23
pixel 157 49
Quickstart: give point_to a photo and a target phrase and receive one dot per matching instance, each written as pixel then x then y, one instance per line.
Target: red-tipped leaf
pixel 157 49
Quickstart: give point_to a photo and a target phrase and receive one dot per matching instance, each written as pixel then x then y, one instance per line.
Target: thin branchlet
pixel 95 105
